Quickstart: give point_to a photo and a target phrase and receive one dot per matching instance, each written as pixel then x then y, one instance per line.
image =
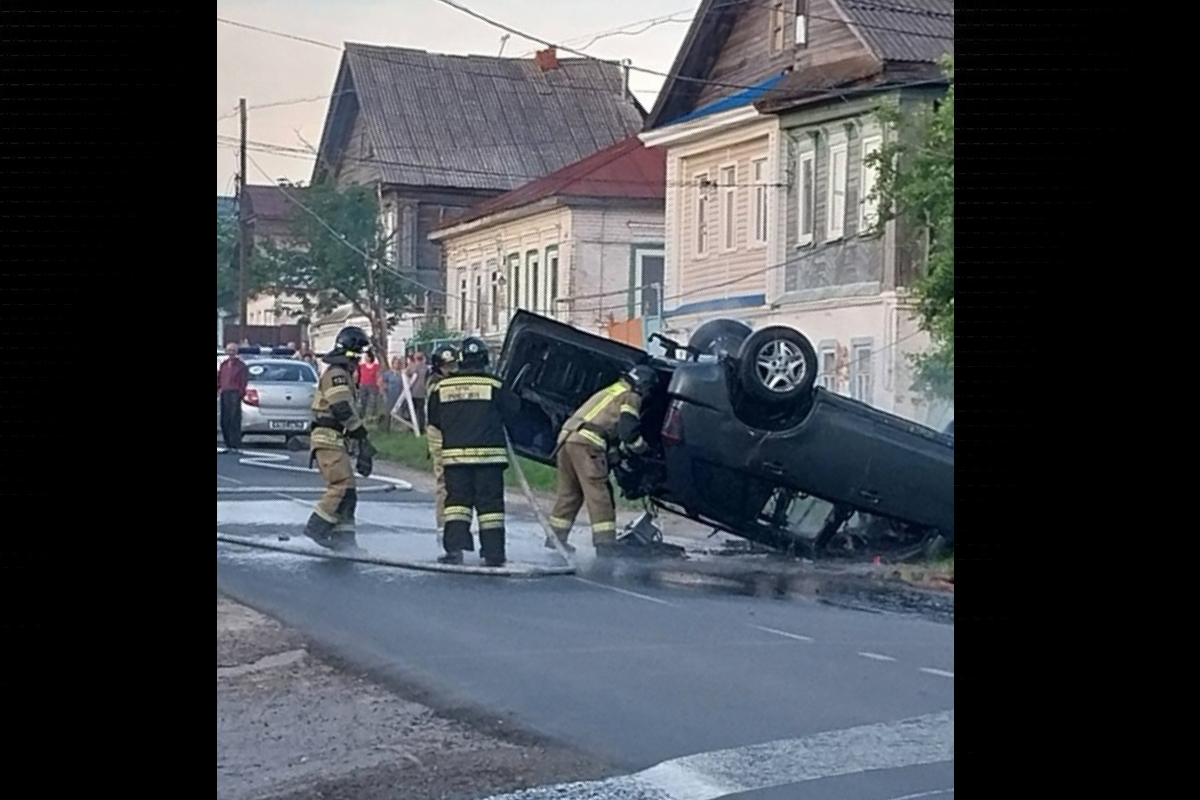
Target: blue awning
pixel 743 98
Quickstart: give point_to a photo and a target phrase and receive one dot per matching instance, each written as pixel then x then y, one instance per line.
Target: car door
pixel 554 368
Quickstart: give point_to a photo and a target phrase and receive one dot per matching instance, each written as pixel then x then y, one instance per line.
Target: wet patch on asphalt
pixel 781 579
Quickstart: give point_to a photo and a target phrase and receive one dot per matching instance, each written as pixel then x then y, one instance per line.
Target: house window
pixel 836 193
pixel 828 375
pixel 480 320
pixel 778 17
pixel 645 294
pixel 806 194
pixel 514 282
pixel 801 22
pixel 860 371
pixel 760 201
pixel 531 275
pixel 552 276
pixel 869 207
pixel 702 214
pixel 728 223
pixel 494 299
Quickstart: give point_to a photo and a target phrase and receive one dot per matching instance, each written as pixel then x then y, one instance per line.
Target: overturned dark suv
pixel 743 440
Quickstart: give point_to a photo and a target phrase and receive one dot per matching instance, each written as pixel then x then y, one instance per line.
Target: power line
pixel 681 295
pixel 296 152
pixel 676 76
pixel 375 261
pixel 385 59
pixel 597 35
pixel 530 37
pixel 297 101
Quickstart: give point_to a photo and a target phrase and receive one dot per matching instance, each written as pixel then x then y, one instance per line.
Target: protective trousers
pixel 439 475
pixel 583 477
pixel 231 419
pixel 478 488
pixel 340 500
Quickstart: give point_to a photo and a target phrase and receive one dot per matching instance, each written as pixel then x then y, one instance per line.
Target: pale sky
pixel 267 69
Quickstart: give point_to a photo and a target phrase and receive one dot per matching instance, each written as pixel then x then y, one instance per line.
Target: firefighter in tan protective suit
pixel 336 429
pixel 444 360
pixel 611 417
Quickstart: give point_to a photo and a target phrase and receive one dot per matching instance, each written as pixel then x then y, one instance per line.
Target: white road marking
pixel 257 458
pixel 625 591
pixel 706 776
pixel 309 489
pixel 877 656
pixel 941 672
pixel 932 793
pixel 783 633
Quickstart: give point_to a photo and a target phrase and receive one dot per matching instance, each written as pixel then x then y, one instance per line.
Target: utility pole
pixel 243 245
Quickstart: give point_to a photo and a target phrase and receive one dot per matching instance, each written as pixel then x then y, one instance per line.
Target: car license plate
pixel 288 425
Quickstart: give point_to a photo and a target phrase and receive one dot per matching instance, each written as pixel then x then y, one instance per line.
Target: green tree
pixel 433 333
pixel 227 279
pixel 336 257
pixel 916 187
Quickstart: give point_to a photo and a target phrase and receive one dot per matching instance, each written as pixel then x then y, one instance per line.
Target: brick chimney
pixel 546 59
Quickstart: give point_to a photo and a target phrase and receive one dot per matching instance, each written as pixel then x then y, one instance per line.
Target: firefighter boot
pixel 342 538
pixel 549 544
pixel 320 530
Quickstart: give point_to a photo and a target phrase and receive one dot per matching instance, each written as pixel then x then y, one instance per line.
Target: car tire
pixel 720 336
pixel 777 365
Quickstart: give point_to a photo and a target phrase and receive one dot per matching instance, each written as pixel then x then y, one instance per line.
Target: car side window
pixel 283 373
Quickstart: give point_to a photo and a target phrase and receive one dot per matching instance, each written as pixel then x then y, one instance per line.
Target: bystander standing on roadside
pixel 393 384
pixel 420 373
pixel 232 378
pixel 369 386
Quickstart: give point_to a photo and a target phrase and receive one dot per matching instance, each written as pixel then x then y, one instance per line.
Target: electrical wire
pixel 546 43
pixel 376 262
pixel 297 101
pixel 296 152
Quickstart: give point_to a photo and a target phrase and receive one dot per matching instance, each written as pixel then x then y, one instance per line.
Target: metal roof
pixel 627 170
pixel 904 30
pixel 474 122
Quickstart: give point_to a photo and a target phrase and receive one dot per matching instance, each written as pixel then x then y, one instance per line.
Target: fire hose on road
pixel 272 461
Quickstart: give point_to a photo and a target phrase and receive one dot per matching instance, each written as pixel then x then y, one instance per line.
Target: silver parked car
pixel 278 397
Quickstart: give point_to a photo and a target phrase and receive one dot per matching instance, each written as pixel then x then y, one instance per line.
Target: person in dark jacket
pixel 232 379
pixel 470 408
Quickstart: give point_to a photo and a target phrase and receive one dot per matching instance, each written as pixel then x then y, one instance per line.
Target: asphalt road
pixel 857 705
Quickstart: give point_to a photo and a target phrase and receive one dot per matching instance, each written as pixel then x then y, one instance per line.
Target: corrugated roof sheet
pixel 627 169
pixel 482 121
pixel 904 30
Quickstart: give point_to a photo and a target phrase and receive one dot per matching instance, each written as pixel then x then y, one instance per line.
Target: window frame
pixel 777 28
pixel 728 209
pixel 806 212
pixel 700 240
pixel 762 210
pixel 833 177
pixel 533 259
pixel 552 279
pixel 868 210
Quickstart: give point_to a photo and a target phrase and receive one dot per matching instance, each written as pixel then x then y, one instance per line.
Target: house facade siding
pixel 825 272
pixel 730 260
pixel 583 257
